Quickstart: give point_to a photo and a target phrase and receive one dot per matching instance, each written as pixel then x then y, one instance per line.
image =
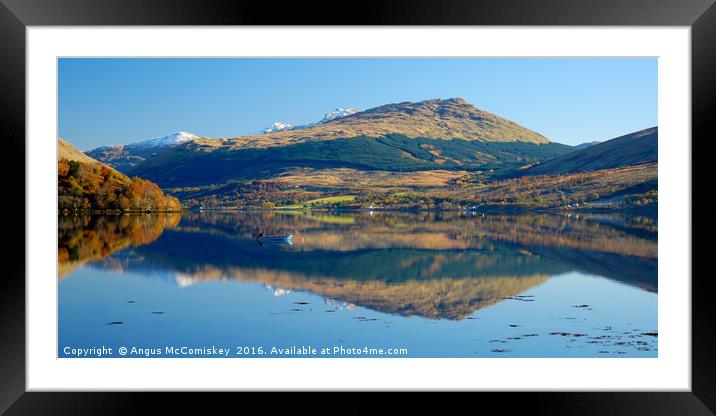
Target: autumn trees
pixel 96 187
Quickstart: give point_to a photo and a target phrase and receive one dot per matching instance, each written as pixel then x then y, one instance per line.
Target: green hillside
pixel 632 149
pixel 188 165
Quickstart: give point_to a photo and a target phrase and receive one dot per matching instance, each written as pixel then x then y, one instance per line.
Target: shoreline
pixel 484 210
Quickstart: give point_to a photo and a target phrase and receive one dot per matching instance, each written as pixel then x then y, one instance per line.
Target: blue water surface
pixel 357 285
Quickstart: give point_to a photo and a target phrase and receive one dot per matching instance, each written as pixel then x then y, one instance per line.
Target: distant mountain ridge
pixel 586 145
pixel 337 113
pixel 170 140
pixel 123 157
pixel 631 149
pixel 277 126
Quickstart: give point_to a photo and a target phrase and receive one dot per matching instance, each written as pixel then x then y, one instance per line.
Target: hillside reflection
pixel 86 238
pixel 435 265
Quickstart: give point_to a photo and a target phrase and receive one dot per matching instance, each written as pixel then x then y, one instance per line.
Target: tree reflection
pixel 436 265
pixel 93 237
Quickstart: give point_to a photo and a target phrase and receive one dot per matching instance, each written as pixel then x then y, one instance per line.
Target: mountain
pixel 636 148
pixel 123 157
pixel 452 118
pixel 586 145
pixel 277 126
pixel 331 115
pixel 433 134
pixel 337 113
pixel 170 140
pixel 85 184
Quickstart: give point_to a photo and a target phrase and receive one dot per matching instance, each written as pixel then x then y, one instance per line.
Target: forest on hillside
pixel 88 187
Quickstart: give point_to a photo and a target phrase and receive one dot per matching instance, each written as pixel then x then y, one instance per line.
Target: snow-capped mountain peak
pixel 337 113
pixel 277 126
pixel 332 115
pixel 163 141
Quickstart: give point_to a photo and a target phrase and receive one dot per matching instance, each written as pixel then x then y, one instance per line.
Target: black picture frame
pixel 15 15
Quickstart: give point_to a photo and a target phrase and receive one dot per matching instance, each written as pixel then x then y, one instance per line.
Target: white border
pixel 670 371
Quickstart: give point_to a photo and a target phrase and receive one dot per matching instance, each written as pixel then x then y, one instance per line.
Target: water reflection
pixel 86 238
pixel 434 265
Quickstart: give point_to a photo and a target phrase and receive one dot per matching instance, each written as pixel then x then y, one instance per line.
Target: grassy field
pixel 322 201
pixel 342 178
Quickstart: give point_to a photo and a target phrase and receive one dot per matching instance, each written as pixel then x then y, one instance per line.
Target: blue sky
pixel 106 101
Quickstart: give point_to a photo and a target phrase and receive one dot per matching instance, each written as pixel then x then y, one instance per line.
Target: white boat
pixel 276 239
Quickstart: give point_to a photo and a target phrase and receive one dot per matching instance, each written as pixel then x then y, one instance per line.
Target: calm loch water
pixel 358 284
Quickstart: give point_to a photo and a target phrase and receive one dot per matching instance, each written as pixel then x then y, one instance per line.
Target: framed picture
pixel 459 198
